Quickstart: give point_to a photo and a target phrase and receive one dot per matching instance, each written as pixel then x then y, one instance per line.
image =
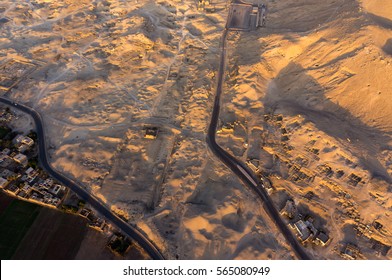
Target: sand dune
pixel 309 92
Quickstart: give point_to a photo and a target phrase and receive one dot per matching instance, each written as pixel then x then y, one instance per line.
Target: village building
pixel 350 252
pixel 289 210
pixel 56 189
pixel 151 133
pixel 5 160
pixel 227 128
pixel 380 247
pixel 302 230
pixel 3 182
pixel 322 238
pixel 21 159
pixel 253 164
pixel 23 143
pixel 6 151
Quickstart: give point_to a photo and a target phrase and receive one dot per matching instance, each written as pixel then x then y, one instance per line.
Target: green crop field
pixel 14 223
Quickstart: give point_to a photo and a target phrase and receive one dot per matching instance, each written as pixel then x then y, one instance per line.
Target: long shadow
pixel 387 48
pixel 294 92
pixel 381 21
pixel 253 52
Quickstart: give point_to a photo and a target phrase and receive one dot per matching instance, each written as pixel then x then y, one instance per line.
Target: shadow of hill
pixel 381 21
pixel 387 48
pixel 297 93
pixel 252 53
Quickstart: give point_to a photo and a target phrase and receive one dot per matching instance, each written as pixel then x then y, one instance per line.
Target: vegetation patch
pixel 15 221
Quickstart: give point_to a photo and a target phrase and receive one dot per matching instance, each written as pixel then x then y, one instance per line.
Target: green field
pixel 15 221
pixel 32 232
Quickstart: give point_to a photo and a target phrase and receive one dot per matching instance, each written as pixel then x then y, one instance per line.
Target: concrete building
pixel 23 143
pixel 254 17
pixel 55 189
pixel 6 151
pixel 227 128
pixel 3 182
pixel 350 252
pixel 3 158
pixel 289 210
pixel 253 164
pixel 322 238
pixel 21 159
pixel 151 132
pixel 302 230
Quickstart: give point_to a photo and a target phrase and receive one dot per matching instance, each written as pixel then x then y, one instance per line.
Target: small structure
pixel 380 247
pixel 151 133
pixel 56 189
pixel 5 173
pixel 354 179
pixel 227 128
pixel 12 188
pixel 253 164
pixel 377 225
pixel 350 252
pixel 289 210
pixel 23 143
pixel 322 238
pixel 119 244
pixel 24 140
pixel 6 151
pixel 3 158
pixel 85 212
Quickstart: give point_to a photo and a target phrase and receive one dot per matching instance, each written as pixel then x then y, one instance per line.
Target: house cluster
pixel 94 222
pixel 43 191
pixel 28 183
pixel 23 181
pixel 21 144
pixel 6 115
pixel 305 229
pixel 351 251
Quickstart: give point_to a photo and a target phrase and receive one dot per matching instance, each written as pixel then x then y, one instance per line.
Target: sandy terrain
pixel 321 71
pixel 309 90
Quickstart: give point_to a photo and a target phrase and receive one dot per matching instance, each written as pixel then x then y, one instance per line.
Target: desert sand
pixel 308 93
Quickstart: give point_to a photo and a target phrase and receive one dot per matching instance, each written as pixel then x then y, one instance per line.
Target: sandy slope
pixel 325 67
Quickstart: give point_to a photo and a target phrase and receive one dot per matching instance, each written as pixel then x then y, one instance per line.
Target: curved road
pixel 132 232
pixel 242 170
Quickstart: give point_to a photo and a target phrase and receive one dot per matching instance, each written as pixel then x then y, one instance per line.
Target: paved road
pixel 240 169
pixel 126 228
